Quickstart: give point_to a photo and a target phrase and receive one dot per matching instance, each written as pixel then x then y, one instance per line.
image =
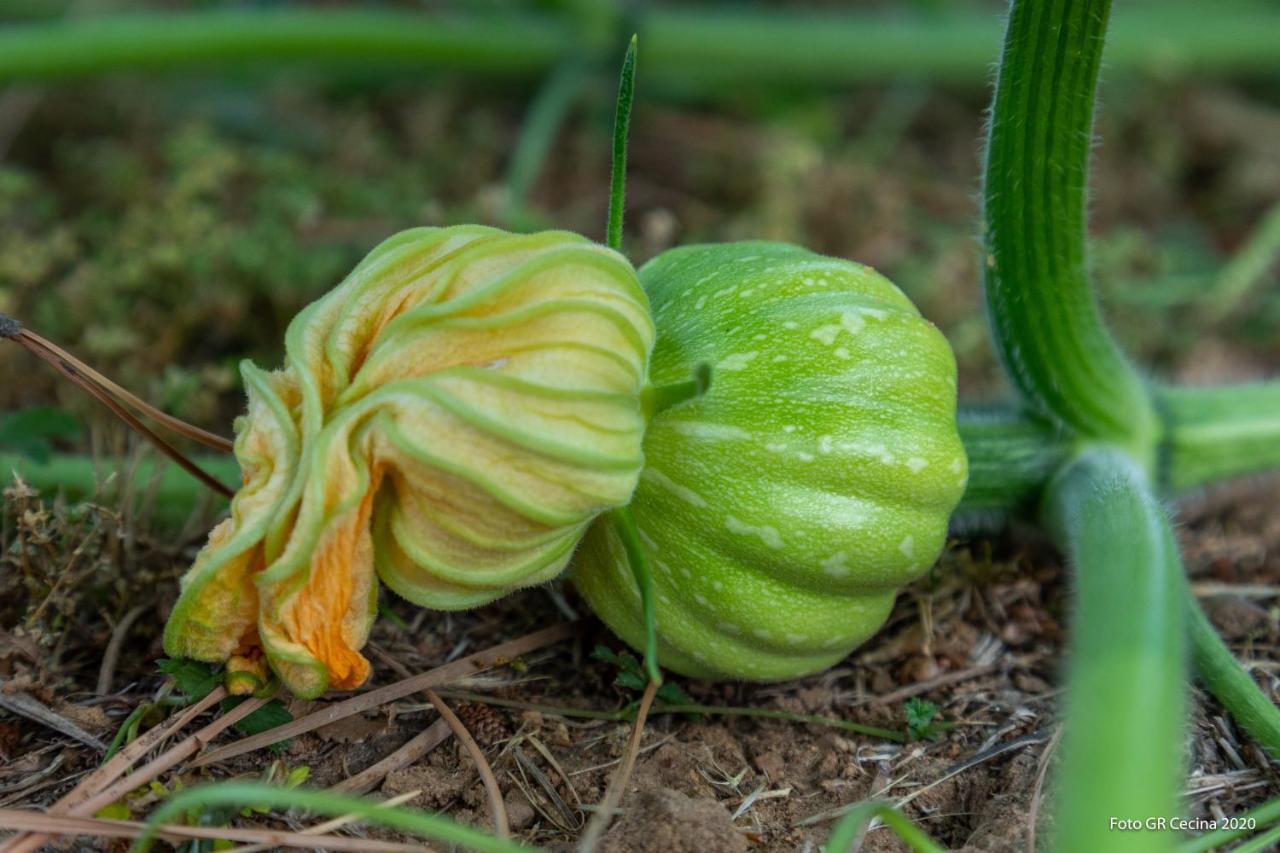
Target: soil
pixel 981 637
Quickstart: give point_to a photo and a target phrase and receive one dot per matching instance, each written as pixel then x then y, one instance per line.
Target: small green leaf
pixel 920 714
pixel 118 810
pixel 195 679
pixel 268 717
pixel 673 694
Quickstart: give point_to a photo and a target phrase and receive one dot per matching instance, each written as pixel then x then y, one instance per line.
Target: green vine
pixel 1045 320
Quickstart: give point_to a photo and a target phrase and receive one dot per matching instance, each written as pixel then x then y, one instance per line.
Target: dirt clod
pixel 670 822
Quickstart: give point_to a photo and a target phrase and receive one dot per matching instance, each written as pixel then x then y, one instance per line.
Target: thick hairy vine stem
pixel 1213 433
pixel 1126 698
pixel 1044 317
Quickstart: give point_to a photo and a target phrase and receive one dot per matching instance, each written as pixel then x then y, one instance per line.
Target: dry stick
pixel 27 706
pixel 497 807
pixel 1033 814
pixel 600 820
pixel 445 674
pixel 113 768
pixel 496 804
pixel 166 760
pixel 416 747
pixel 55 825
pixel 25 339
pixel 321 829
pixel 112 654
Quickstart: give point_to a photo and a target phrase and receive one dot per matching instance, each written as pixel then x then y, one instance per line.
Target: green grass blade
pixel 855 821
pixel 621 127
pixel 404 819
pixel 1126 701
pixel 1047 326
pixel 1268 812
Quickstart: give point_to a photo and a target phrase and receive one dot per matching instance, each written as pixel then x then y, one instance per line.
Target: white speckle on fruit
pixel 843 353
pixel 736 361
pixel 685 573
pixel 701 303
pixel 825 444
pixel 804 456
pixel 836 564
pixel 778 359
pixel 761 633
pixel 760 337
pixel 664 598
pixel 653 475
pixel 711 432
pixel 746 293
pixel 718 586
pixel 797 639
pixel 768 535
pixel 956 466
pixel 916 464
pixel 730 628
pixel 825 334
pixel 775 447
pixel 790 324
pixel 789 428
pixel 647 539
pixel 701 599
pixel 721 294
pixel 908 547
pixel 852 321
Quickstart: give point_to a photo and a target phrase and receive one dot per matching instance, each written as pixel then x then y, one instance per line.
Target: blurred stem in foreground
pixel 1126 700
pixel 693 51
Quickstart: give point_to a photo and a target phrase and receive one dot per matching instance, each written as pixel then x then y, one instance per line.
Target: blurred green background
pixel 164 220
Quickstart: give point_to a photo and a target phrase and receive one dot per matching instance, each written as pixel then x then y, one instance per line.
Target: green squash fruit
pixel 782 510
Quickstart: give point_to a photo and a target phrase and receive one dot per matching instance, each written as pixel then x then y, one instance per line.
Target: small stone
pixel 520 813
pixel 771 765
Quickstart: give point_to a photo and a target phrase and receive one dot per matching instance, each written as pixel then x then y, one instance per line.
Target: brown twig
pixel 445 674
pixel 496 805
pixel 88 374
pixel 903 693
pixel 54 825
pixel 36 711
pixel 110 394
pixel 176 753
pixel 1033 813
pixel 28 341
pixel 497 808
pixel 617 786
pixel 416 747
pixel 113 768
pixel 112 655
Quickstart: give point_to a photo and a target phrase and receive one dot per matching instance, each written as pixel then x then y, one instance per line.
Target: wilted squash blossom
pixel 783 509
pixel 451 417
